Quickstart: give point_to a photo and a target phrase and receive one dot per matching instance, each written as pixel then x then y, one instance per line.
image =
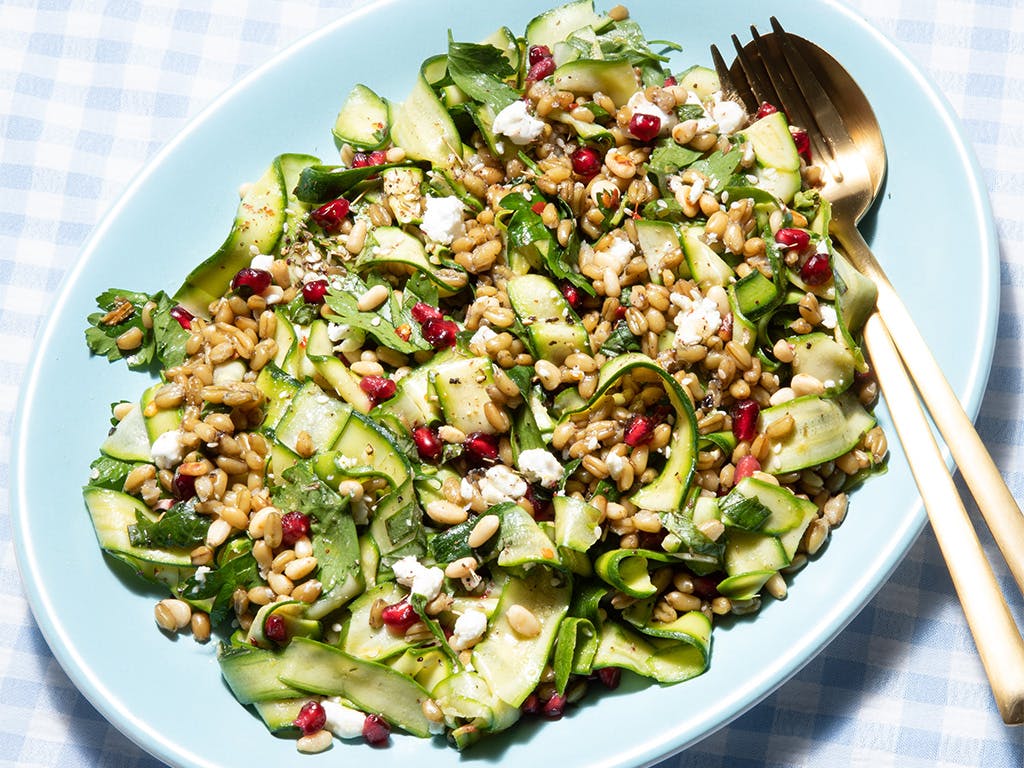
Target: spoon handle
pixel 999 644
pixel 995 501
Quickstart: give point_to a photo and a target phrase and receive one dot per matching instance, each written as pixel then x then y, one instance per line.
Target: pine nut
pixel 805 384
pixel 484 529
pixel 314 742
pixel 522 621
pixel 130 339
pixel 300 568
pixel 461 568
pixel 446 513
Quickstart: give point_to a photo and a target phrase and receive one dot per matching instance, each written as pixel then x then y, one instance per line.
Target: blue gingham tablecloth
pixel 90 90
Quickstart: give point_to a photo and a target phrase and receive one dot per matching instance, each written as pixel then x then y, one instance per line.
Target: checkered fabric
pixel 90 90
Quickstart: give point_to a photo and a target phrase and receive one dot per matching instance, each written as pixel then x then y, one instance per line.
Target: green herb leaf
pixel 620 341
pixel 221 583
pixel 689 112
pixel 108 472
pixel 298 311
pixel 170 336
pixel 719 167
pixel 179 526
pixel 321 183
pixel 668 157
pixel 480 71
pixel 344 311
pixel 120 311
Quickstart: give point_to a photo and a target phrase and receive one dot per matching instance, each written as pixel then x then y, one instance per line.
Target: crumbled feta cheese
pixel 829 318
pixel 341 461
pixel 500 484
pixel 442 219
pixel 168 449
pixel 639 103
pixel 228 373
pixel 261 261
pixel 518 124
pixel 618 253
pixel 482 336
pixel 420 580
pixel 698 318
pixel 616 464
pixel 344 722
pixel 469 628
pixel 539 466
pixel 201 571
pixel 337 331
pixel 728 114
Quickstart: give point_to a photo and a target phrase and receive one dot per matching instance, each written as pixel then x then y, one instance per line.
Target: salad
pixel 552 370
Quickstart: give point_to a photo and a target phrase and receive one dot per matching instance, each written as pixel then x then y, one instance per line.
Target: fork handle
pixel 999 644
pixel 995 501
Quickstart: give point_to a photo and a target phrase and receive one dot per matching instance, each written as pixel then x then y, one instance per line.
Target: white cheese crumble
pixel 728 114
pixel 618 253
pixel 539 466
pixel 829 318
pixel 442 219
pixel 201 571
pixel 469 628
pixel 482 336
pixel 420 580
pixel 698 318
pixel 344 722
pixel 341 461
pixel 261 261
pixel 168 450
pixel 518 124
pixel 228 373
pixel 639 103
pixel 616 465
pixel 500 484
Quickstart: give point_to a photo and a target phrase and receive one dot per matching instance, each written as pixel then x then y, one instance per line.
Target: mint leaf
pixel 620 341
pixel 108 472
pixel 669 157
pixel 719 167
pixel 480 71
pixel 221 583
pixel 179 526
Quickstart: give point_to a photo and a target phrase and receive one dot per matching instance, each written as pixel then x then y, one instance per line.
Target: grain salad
pixel 552 368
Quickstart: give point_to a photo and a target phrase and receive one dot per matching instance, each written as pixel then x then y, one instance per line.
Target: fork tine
pixel 732 89
pixel 826 118
pixel 755 75
pixel 791 99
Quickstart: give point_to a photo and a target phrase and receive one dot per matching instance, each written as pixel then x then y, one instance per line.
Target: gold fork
pixel 780 68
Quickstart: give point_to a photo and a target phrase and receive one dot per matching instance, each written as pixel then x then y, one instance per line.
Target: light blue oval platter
pixel 933 231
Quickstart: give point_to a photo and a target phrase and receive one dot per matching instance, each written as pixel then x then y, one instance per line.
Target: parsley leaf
pixel 379 324
pixel 221 583
pixel 298 311
pixel 120 312
pixel 620 341
pixel 690 112
pixel 719 167
pixel 108 472
pixel 179 526
pixel 480 71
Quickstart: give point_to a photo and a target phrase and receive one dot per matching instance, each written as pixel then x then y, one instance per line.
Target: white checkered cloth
pixel 90 90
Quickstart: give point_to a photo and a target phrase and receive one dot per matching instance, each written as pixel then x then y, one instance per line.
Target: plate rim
pixel 672 741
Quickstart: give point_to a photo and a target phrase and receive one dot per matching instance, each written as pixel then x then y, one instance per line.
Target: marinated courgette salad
pixel 554 368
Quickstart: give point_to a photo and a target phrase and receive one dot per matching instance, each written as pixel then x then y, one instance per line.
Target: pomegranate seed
pixel 610 677
pixel 803 143
pixel 586 162
pixel 539 206
pixel 539 53
pixel 330 216
pixel 314 291
pixel 638 431
pixel 795 239
pixel 274 628
pixel 670 80
pixel 440 334
pixel 248 281
pixel 312 718
pixel 746 467
pixel 183 316
pixel 554 707
pixel 184 486
pixel 294 525
pixel 376 730
pixel 378 388
pixel 428 444
pixel 421 312
pixel 531 706
pixel 540 70
pixel 765 109
pixel 481 446
pixel 744 419
pixel 816 270
pixel 572 295
pixel 645 127
pixel 365 159
pixel 399 616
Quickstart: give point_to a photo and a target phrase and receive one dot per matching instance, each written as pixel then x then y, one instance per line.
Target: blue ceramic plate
pixel 167 695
